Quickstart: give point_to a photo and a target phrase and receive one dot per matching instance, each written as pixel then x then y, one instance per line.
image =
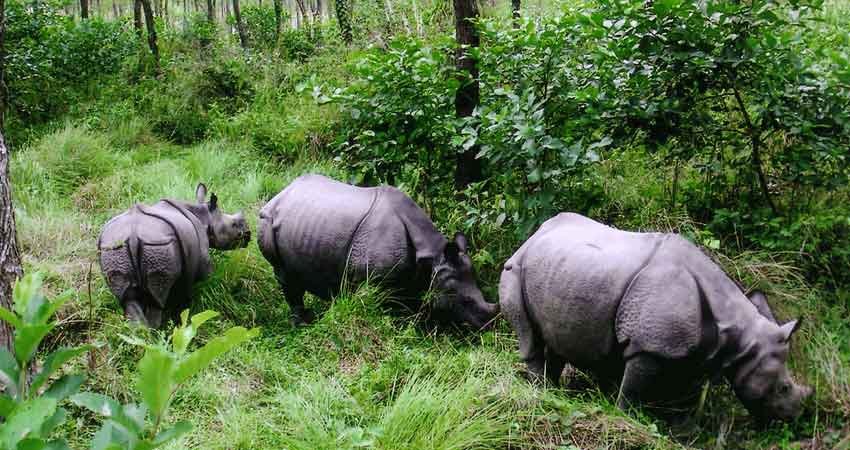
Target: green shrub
pixel 50 58
pixel 30 407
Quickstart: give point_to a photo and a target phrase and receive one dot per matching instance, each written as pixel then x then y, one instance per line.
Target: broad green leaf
pixel 27 339
pixel 65 387
pixel 154 382
pixel 54 362
pixel 109 408
pixel 203 357
pixel 9 373
pixel 111 436
pixel 170 434
pixel 7 405
pixel 58 444
pixel 58 418
pixel 26 421
pixel 183 335
pixel 27 294
pixel 10 318
pixel 32 444
pixel 45 311
pixel 136 413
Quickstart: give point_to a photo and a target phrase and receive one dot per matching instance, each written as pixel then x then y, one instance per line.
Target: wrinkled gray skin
pixel 152 255
pixel 649 309
pixel 318 231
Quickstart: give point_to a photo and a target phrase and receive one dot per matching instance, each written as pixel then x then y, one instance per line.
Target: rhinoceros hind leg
pixel 293 292
pixel 531 345
pixel 641 372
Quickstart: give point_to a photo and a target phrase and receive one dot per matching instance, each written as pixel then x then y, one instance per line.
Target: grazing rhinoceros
pixel 152 255
pixel 318 232
pixel 648 307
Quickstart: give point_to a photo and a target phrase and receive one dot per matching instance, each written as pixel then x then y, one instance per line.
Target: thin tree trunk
pixel 210 11
pixel 84 9
pixel 343 16
pixel 151 26
pixel 515 6
pixel 755 141
pixel 240 27
pixel 278 18
pixel 115 13
pixel 468 168
pixel 10 259
pixel 137 17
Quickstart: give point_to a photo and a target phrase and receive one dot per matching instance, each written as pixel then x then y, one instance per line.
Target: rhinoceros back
pixel 575 272
pixel 309 227
pixel 158 250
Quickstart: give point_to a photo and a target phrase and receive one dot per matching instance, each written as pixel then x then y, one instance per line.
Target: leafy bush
pixel 182 106
pixel 160 373
pixel 47 51
pixel 399 111
pixel 261 25
pixel 31 409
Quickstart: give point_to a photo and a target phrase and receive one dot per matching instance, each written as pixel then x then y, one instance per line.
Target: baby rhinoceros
pixel 152 255
pixel 648 309
pixel 318 232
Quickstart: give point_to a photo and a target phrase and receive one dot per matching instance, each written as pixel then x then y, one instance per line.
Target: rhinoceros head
pixel 225 231
pixel 458 296
pixel 762 381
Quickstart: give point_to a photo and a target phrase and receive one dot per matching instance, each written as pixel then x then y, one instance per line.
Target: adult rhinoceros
pixel 318 231
pixel 649 308
pixel 152 255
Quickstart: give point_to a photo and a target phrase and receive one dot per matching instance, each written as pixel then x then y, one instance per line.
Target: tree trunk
pixel 10 259
pixel 137 17
pixel 84 9
pixel 210 11
pixel 278 18
pixel 151 26
pixel 240 27
pixel 468 168
pixel 515 6
pixel 343 17
pixel 115 13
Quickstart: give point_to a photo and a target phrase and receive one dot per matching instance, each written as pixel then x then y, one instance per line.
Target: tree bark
pixel 515 6
pixel 10 259
pixel 4 90
pixel 343 17
pixel 468 168
pixel 210 11
pixel 84 9
pixel 240 27
pixel 278 18
pixel 137 17
pixel 151 26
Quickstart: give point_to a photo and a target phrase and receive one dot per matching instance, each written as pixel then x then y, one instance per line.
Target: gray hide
pixel 650 309
pixel 152 255
pixel 318 232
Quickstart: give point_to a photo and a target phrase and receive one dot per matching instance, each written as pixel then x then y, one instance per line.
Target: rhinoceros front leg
pixel 293 292
pixel 641 373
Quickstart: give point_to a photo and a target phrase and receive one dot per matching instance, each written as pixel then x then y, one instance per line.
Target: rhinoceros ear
pixel 758 299
pixel 789 329
pixel 201 193
pixel 460 240
pixel 213 202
